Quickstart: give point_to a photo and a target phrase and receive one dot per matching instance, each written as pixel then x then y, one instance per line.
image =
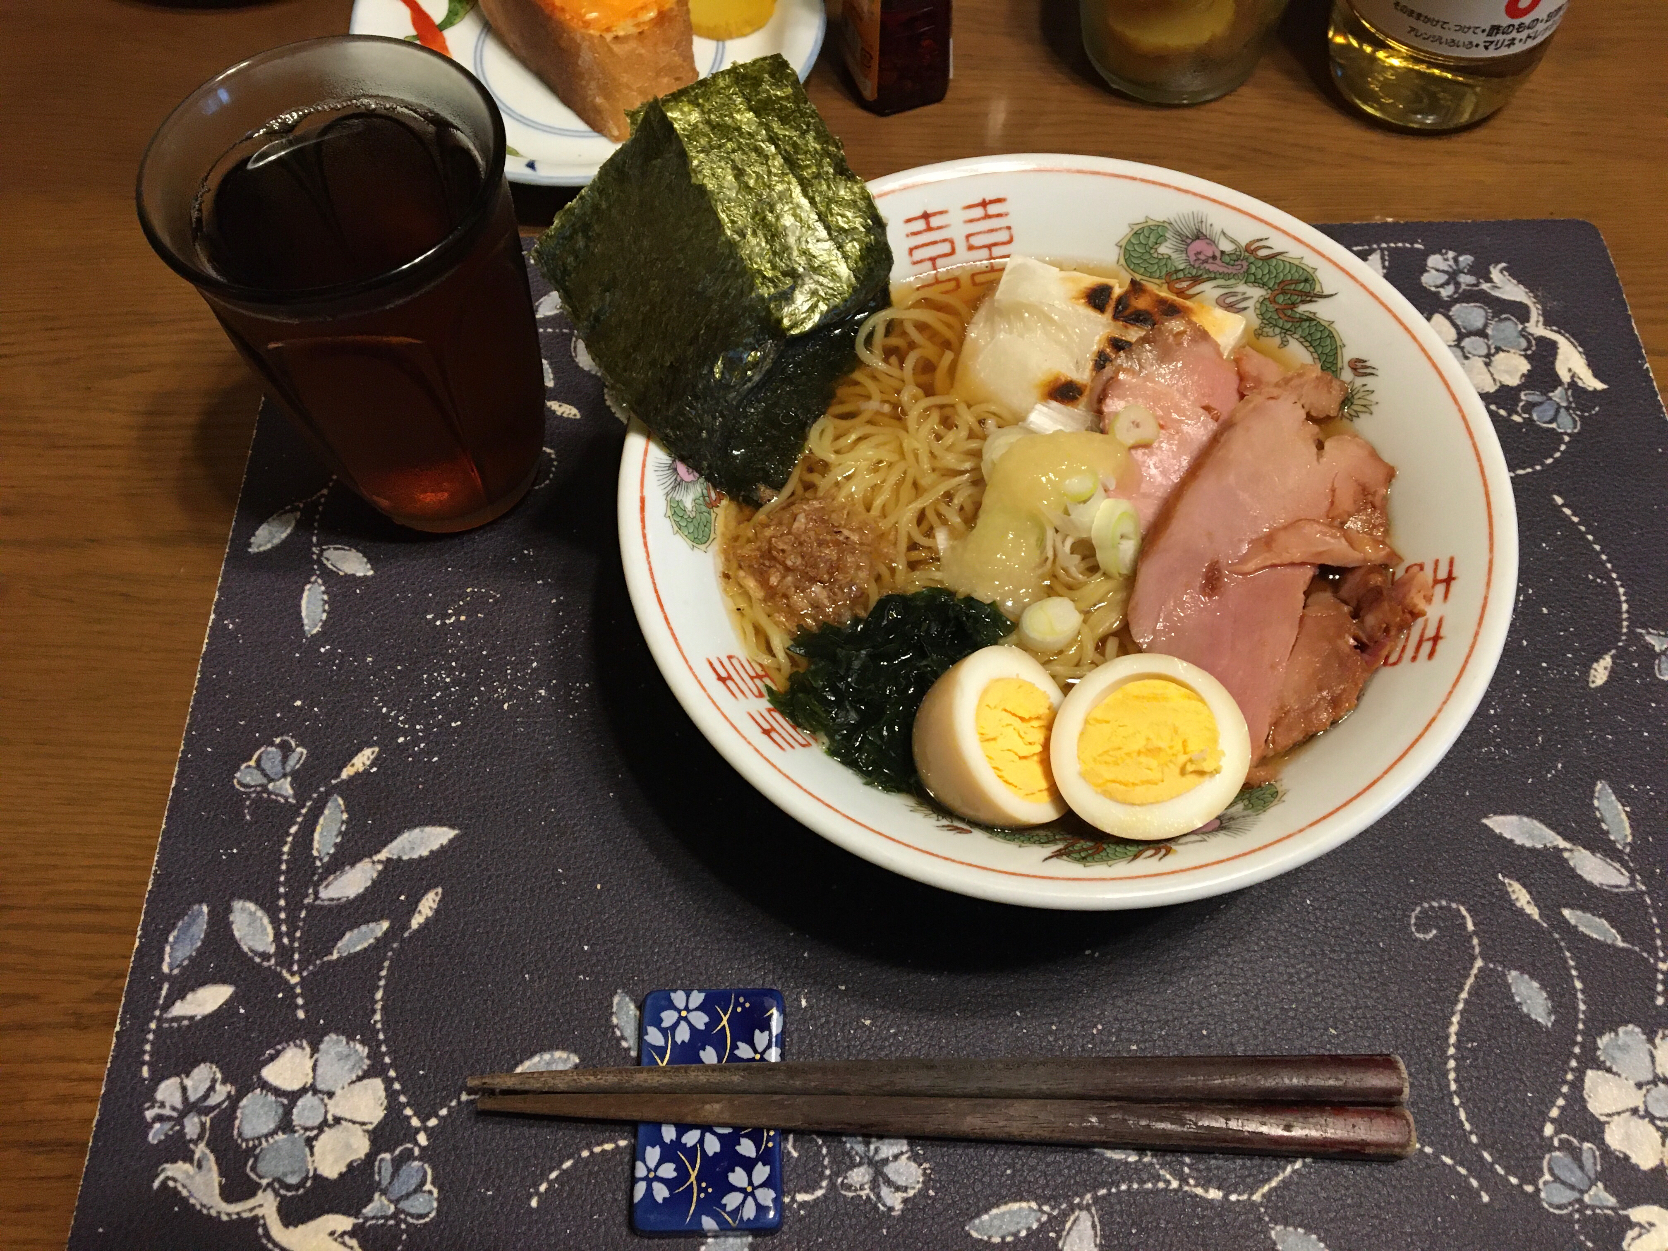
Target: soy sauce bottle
pixel 898 52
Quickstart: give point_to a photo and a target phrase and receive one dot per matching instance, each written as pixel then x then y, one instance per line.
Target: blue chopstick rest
pixel 707 1179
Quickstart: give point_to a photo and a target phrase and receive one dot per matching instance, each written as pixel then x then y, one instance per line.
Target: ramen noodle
pixel 897 443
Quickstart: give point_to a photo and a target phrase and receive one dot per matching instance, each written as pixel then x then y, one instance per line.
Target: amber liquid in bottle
pixel 1437 64
pixel 898 52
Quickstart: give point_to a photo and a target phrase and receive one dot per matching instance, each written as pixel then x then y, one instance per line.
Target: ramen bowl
pixel 1450 508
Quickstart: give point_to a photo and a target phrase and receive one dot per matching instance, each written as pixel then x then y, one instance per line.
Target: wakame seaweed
pixel 866 680
pixel 718 268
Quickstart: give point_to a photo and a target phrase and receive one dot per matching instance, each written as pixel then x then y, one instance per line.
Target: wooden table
pixel 126 415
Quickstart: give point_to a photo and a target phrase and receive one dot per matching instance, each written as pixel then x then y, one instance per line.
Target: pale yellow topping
pixel 1013 720
pixel 1005 557
pixel 1148 741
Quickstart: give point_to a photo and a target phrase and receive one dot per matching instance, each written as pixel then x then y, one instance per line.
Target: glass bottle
pixel 1177 51
pixel 1437 64
pixel 898 52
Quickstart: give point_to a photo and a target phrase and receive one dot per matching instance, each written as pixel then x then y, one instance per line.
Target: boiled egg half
pixel 981 739
pixel 1149 746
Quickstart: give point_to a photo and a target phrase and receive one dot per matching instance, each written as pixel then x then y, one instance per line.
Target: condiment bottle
pixel 1437 64
pixel 1177 51
pixel 898 51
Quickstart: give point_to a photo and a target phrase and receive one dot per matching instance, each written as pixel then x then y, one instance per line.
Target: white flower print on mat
pixel 1493 324
pixel 1496 328
pixel 1446 273
pixel 1569 1175
pixel 187 1103
pixel 1491 349
pixel 1650 1229
pixel 885 1172
pixel 1630 1093
pixel 312 1112
pixel 1555 410
pixel 405 1190
pixel 1072 1223
pixel 315 1105
pixel 268 771
pixel 1621 1082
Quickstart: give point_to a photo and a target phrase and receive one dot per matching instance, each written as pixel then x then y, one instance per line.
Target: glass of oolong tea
pixel 341 205
pixel 1177 51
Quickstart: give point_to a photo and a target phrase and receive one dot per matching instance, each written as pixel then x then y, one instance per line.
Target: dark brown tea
pixel 422 390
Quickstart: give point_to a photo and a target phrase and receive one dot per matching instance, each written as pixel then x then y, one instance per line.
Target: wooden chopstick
pixel 1359 1132
pixel 1379 1080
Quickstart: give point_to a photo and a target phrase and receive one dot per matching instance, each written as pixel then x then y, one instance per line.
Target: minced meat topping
pixel 809 562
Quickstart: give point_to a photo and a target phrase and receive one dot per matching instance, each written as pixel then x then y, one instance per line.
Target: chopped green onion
pixel 998 442
pixel 1116 534
pixel 1135 426
pixel 1079 487
pixel 1050 625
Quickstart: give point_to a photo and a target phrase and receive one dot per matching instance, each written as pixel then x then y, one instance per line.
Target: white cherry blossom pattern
pixel 750 1193
pixel 765 1046
pixel 649 1171
pixel 683 1014
pixel 1630 1094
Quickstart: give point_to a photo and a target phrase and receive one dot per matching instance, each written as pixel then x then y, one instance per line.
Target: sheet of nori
pixel 718 268
pixel 765 212
pixel 847 209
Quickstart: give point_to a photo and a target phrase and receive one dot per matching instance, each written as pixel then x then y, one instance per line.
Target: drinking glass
pixel 416 377
pixel 1177 51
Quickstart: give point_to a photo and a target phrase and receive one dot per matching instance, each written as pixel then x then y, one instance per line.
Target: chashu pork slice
pixel 1178 373
pixel 1343 637
pixel 1266 470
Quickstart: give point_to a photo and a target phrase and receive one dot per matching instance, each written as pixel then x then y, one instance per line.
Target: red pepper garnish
pixel 428 34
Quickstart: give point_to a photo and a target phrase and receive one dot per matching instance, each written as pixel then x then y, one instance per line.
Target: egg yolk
pixel 1013 720
pixel 1148 741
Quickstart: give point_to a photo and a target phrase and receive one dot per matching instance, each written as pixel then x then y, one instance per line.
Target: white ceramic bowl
pixel 1451 507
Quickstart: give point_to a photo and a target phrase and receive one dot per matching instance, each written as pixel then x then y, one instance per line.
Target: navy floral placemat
pixel 436 814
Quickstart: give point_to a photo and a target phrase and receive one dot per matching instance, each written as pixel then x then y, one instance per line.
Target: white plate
pixel 549 145
pixel 1451 507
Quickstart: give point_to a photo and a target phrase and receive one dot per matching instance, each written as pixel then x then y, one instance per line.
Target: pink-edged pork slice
pixel 1178 373
pixel 1310 541
pixel 1255 370
pixel 1344 635
pixel 1266 470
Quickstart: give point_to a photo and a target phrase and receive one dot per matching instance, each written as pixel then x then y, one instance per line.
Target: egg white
pixel 948 756
pixel 1169 817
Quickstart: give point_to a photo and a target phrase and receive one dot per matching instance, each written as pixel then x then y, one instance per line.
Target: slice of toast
pixel 601 57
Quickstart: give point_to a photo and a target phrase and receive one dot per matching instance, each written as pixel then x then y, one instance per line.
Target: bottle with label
pixel 1437 64
pixel 898 52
